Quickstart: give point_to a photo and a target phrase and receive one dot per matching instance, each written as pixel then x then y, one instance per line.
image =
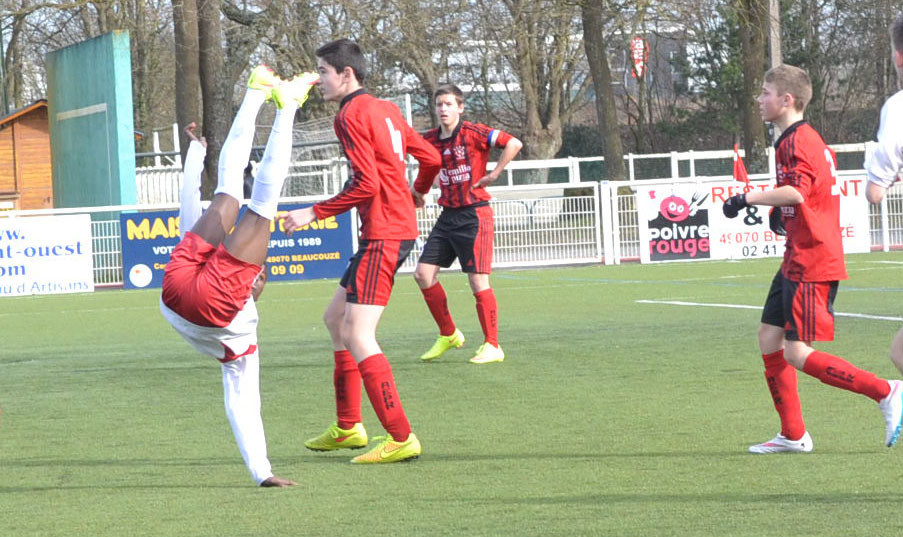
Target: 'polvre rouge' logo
pixel 680 230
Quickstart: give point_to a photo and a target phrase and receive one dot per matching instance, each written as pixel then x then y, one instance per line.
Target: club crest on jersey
pixel 460 152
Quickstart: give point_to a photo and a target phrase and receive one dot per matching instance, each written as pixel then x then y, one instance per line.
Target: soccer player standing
pixel 799 307
pixel 214 277
pixel 375 139
pixel 465 229
pixel 886 162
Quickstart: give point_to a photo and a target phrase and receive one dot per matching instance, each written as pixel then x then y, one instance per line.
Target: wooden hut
pixel 26 178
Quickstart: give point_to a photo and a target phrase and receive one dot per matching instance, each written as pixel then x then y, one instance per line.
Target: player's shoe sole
pixel 780 444
pixel 443 344
pixel 389 451
pixel 337 438
pixel 892 409
pixel 297 89
pixel 263 78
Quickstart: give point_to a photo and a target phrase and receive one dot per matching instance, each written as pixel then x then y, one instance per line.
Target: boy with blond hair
pixel 799 307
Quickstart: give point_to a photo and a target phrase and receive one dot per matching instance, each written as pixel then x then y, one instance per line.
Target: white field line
pixel 747 307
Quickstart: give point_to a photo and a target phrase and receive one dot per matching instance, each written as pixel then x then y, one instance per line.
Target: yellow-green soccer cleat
pixel 337 438
pixel 297 88
pixel 442 344
pixel 391 451
pixel 488 353
pixel 263 78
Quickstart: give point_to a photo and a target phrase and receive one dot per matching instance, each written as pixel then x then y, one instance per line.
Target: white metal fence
pixel 535 225
pixel 160 183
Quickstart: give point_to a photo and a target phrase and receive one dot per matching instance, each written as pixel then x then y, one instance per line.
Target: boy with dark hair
pixel 214 277
pixel 886 163
pixel 375 139
pixel 799 306
pixel 465 229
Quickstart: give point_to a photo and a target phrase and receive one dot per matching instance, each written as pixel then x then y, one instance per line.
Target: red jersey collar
pixel 351 95
pixel 454 133
pixel 789 130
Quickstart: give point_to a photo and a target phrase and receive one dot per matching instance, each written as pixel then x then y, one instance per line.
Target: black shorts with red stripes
pixel 371 272
pixel 465 233
pixel 805 310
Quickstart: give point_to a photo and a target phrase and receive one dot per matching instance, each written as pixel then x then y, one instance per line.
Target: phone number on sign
pixel 747 237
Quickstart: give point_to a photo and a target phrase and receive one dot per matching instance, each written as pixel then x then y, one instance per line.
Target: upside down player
pixel 465 228
pixel 799 306
pixel 214 278
pixel 886 162
pixel 375 139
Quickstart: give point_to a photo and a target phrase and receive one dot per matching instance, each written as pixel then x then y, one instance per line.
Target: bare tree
pixel 187 69
pixel 753 19
pixel 597 57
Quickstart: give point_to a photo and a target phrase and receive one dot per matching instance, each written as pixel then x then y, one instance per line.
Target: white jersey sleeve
pixel 886 161
pixel 190 200
pixel 238 336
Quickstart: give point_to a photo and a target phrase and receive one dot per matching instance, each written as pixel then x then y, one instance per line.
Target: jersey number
pixel 835 188
pixel 395 136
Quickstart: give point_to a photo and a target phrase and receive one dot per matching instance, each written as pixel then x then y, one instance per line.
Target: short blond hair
pixel 792 80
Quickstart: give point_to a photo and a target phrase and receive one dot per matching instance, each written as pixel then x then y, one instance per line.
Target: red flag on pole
pixel 739 168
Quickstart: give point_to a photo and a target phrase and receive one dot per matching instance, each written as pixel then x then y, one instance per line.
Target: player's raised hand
pixel 189 132
pixel 298 218
pixel 732 206
pixel 276 481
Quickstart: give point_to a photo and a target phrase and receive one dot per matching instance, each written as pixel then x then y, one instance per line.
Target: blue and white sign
pixel 321 250
pixel 44 255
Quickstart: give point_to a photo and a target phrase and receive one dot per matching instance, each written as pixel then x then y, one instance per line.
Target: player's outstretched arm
pixel 277 481
pixel 298 218
pixel 190 198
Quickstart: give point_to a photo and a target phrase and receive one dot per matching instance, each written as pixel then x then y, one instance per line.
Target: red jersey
pixel 375 139
pixel 814 248
pixel 464 157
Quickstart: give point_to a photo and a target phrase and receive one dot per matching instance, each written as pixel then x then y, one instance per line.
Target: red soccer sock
pixel 380 385
pixel 347 381
pixel 781 379
pixel 842 374
pixel 437 302
pixel 488 313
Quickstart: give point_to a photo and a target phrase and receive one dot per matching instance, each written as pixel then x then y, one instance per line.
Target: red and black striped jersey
pixel 464 157
pixel 375 138
pixel 814 246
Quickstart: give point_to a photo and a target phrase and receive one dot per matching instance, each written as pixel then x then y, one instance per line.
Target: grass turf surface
pixel 608 416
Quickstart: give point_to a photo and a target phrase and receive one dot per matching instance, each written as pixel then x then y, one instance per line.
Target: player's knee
pixel 423 278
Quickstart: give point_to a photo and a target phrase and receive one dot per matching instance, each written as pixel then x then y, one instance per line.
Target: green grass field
pixel 608 417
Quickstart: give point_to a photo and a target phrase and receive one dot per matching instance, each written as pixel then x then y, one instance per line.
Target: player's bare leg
pixel 427 277
pixel 217 220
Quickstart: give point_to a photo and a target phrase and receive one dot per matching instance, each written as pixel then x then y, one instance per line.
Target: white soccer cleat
pixel 892 408
pixel 780 444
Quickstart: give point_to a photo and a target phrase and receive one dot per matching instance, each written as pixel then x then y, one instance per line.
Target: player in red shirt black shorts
pixel 375 139
pixel 465 229
pixel 799 306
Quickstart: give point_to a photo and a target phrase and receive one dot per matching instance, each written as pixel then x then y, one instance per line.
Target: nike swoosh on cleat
pixel 387 451
pixel 342 438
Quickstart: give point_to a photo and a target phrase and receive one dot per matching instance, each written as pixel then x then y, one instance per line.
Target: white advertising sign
pixel 684 222
pixel 43 255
